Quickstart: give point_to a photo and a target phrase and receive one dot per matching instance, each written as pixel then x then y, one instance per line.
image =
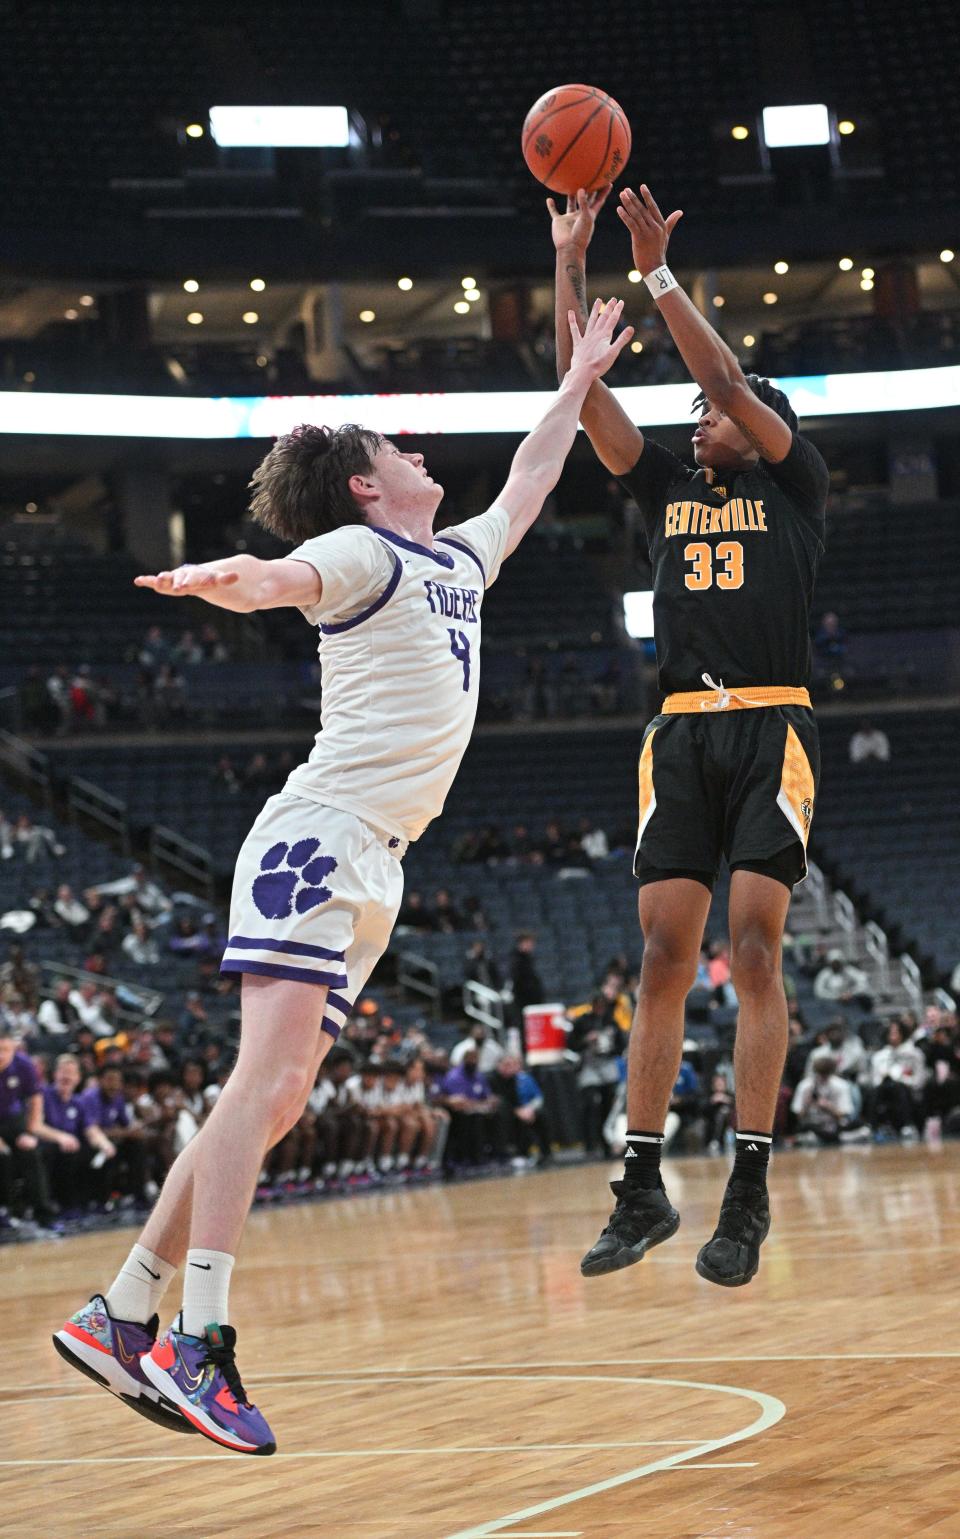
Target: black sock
pixel 752 1158
pixel 641 1161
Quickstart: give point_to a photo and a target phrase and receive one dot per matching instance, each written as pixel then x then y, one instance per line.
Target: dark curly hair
pixel 301 488
pixel 768 394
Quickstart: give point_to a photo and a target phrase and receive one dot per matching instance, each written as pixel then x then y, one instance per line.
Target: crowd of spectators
pixel 70 699
pixel 569 849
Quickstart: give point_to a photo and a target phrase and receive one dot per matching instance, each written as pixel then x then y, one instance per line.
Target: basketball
pixel 576 136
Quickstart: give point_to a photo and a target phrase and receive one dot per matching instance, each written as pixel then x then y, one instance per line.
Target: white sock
pixel 140 1284
pixel 206 1284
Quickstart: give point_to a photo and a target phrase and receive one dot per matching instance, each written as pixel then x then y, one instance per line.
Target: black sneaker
pixel 641 1220
pixel 732 1256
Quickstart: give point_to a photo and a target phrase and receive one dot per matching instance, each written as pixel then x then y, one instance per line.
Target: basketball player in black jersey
pixel 730 766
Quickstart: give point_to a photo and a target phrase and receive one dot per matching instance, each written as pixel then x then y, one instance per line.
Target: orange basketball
pixel 576 136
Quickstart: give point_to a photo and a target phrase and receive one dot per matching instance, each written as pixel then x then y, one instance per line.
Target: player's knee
pixel 668 964
pixel 754 963
pixel 285 1094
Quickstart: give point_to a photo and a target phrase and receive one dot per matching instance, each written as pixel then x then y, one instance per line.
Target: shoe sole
pixel 202 1423
pixel 156 1411
pixel 742 1278
pixel 629 1255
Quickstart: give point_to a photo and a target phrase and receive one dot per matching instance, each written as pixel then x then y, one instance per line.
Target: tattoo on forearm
pixel 751 437
pixel 578 283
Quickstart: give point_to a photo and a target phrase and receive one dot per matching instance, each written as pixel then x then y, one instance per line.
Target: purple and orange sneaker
pixel 199 1375
pixel 111 1352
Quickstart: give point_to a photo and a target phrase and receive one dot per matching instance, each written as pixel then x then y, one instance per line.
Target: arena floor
pixel 435 1368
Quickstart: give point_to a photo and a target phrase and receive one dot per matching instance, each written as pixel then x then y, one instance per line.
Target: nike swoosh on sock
pixel 154 1275
pixel 202 1266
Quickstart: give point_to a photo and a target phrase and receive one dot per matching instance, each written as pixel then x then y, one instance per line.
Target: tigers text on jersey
pixel 734 565
pixel 400 664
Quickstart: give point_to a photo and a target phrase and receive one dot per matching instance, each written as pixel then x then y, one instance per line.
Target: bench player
pixel 730 766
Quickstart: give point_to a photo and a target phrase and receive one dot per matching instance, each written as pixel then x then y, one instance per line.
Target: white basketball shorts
pixel 315 897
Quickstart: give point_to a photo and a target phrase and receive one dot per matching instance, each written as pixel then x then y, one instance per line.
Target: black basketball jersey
pixel 734 566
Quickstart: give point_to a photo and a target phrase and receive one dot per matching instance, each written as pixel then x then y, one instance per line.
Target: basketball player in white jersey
pixel 318 881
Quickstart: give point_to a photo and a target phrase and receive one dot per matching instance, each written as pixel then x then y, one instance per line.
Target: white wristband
pixel 660 282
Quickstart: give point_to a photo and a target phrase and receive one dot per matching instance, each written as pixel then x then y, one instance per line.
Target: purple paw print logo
pixel 292 877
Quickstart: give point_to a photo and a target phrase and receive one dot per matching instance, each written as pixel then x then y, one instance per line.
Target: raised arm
pixel 706 355
pixel 617 441
pixel 241 583
pixel 539 460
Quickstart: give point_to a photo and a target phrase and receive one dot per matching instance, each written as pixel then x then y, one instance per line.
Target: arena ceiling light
pixel 280 127
pixel 788 127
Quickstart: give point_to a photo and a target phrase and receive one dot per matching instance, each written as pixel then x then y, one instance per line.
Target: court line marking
pixel 332 1374
pixel 771 1409
pixel 371 1453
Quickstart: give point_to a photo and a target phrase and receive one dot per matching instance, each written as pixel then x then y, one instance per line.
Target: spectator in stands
pixel 686 1100
pixel 106 935
pixel 942 1091
pixel 187 938
pixel 446 916
pixel 56 1017
pixel 140 946
pixel 150 896
pixel 21 976
pixel 225 776
pixel 257 772
pixel 93 1007
pixel 492 846
pixel 34 839
pixel 474 1121
pixel 6 837
pixel 528 988
pixel 846 1047
pixel 187 651
pixel 414 914
pixel 474 917
pixel 898 1072
pixel 593 840
pixel 869 743
pixel 154 651
pixel 830 645
pixel 523 1122
pixel 718 968
pixel 842 983
pixel 554 844
pixel 825 1106
pixel 478 1040
pixel 481 967
pixel 214 648
pixel 58 694
pixel 21 1115
pixel 169 694
pixel 72 914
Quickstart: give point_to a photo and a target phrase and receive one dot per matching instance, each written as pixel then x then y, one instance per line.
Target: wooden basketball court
pixel 435 1367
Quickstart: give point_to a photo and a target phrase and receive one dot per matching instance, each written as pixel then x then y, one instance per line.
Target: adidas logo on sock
pixel 752 1149
pixel 631 1154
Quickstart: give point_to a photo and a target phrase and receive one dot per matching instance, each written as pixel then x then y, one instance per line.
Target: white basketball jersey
pixel 400 664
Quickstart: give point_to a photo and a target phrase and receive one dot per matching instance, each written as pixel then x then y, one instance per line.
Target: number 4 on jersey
pixel 460 647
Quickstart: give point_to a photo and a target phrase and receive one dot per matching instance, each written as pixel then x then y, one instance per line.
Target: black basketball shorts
pixel 739 784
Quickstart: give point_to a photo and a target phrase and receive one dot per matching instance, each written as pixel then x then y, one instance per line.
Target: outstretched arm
pixel 706 355
pixel 617 442
pixel 539 460
pixel 241 583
